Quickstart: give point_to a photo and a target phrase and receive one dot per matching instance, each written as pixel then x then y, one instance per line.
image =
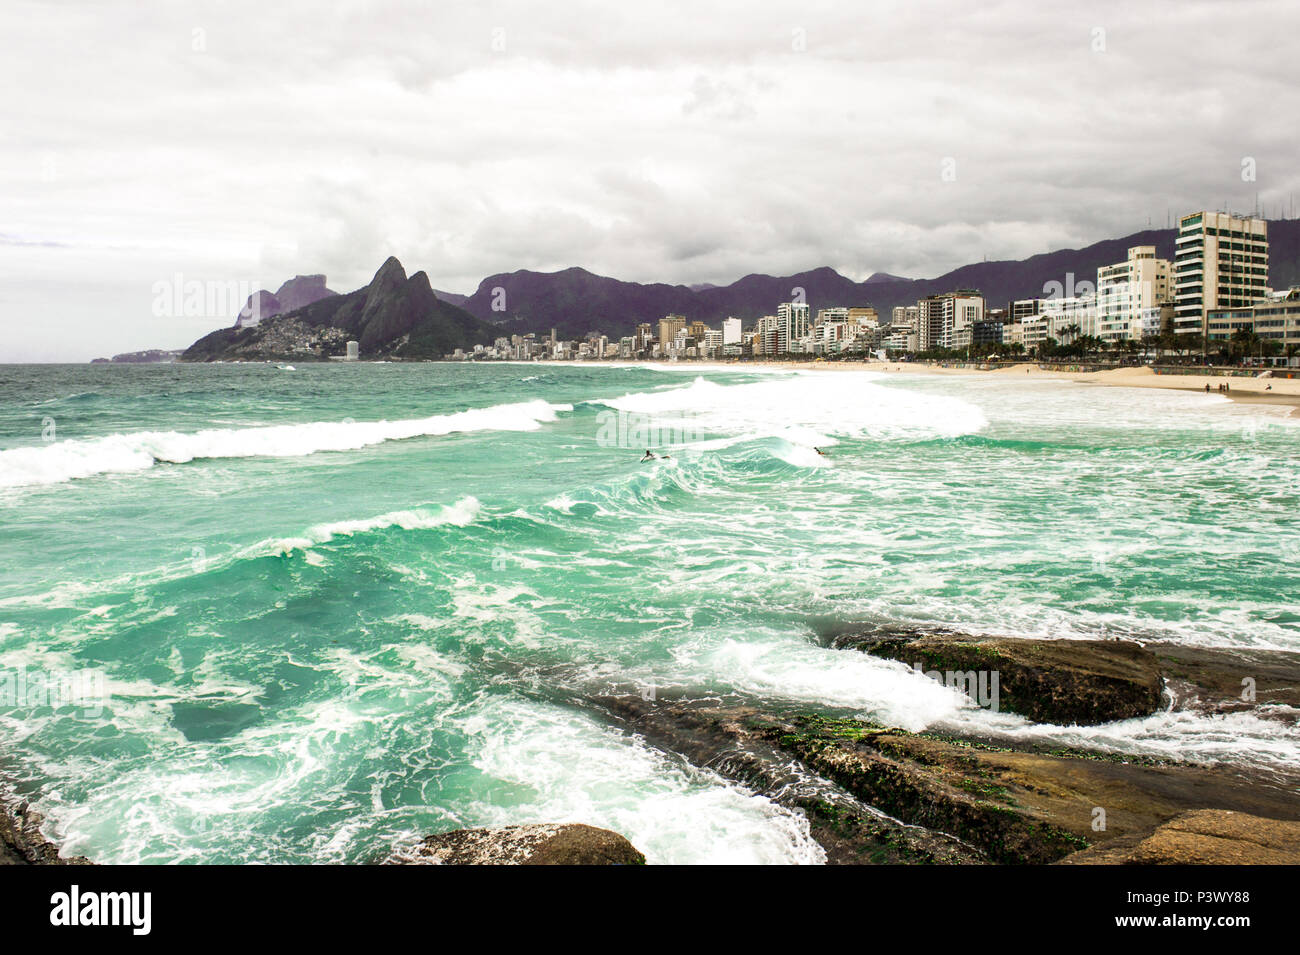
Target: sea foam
pixel 69 460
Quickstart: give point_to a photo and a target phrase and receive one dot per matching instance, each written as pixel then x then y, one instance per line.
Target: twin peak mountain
pixel 395 316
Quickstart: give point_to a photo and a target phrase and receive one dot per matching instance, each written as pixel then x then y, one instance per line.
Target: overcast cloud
pixel 233 140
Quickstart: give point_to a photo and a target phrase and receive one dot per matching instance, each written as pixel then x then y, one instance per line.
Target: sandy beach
pixel 1277 389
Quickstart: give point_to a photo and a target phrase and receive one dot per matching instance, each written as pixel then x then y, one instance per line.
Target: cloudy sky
pixel 245 141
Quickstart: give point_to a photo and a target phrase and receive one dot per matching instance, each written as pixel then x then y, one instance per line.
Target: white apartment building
pixel 712 343
pixel 731 331
pixel 1129 290
pixel 1059 316
pixel 1220 262
pixel 793 325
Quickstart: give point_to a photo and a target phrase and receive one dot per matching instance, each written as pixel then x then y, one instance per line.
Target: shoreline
pixel 1249 390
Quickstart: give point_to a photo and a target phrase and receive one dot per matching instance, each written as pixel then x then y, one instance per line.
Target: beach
pixel 1277 389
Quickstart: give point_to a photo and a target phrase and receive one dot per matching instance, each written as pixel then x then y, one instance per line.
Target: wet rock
pixel 568 844
pixel 920 797
pixel 1083 682
pixel 748 747
pixel 21 842
pixel 1204 837
pixel 1222 680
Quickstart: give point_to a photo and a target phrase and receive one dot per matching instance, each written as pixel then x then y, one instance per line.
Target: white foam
pixel 575 770
pixel 806 410
pixel 139 450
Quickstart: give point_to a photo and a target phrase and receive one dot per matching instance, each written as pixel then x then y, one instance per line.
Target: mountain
pixel 299 292
pixel 454 297
pixel 575 301
pixel 395 316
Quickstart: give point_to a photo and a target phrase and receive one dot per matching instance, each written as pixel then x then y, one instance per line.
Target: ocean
pixel 251 614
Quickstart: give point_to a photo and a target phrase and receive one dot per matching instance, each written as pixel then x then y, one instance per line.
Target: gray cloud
pixel 232 140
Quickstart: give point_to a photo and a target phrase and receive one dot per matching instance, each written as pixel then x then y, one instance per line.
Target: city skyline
pixel 678 149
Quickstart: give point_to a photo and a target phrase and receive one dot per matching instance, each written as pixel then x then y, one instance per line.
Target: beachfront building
pixel 1274 319
pixel 864 316
pixel 711 343
pixel 905 317
pixel 1033 331
pixel 1013 333
pixel 1064 318
pixel 732 341
pixel 1220 262
pixel 793 325
pixel 1023 308
pixel 946 320
pixel 988 332
pixel 669 326
pixel 765 336
pixel 899 340
pixel 1128 291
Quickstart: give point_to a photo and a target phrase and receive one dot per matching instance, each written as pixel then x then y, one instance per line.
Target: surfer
pixel 820 451
pixel 649 456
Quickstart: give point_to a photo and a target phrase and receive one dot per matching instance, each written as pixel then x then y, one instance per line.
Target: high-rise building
pixel 792 325
pixel 669 326
pixel 1128 290
pixel 731 331
pixel 946 320
pixel 1220 262
pixel 766 335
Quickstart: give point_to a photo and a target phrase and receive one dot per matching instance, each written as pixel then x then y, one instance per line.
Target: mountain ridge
pixel 575 300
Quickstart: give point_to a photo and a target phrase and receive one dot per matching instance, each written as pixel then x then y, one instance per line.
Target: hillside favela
pixel 528 434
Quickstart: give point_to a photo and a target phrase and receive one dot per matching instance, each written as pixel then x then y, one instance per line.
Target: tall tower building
pixel 1220 261
pixel 792 323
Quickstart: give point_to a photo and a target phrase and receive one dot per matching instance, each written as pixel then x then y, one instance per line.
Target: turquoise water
pixel 325 611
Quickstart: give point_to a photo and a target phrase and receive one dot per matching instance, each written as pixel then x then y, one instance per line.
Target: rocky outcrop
pixel 1204 837
pixel 1066 682
pixel 395 316
pixel 568 844
pixel 755 749
pixel 874 794
pixel 21 841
